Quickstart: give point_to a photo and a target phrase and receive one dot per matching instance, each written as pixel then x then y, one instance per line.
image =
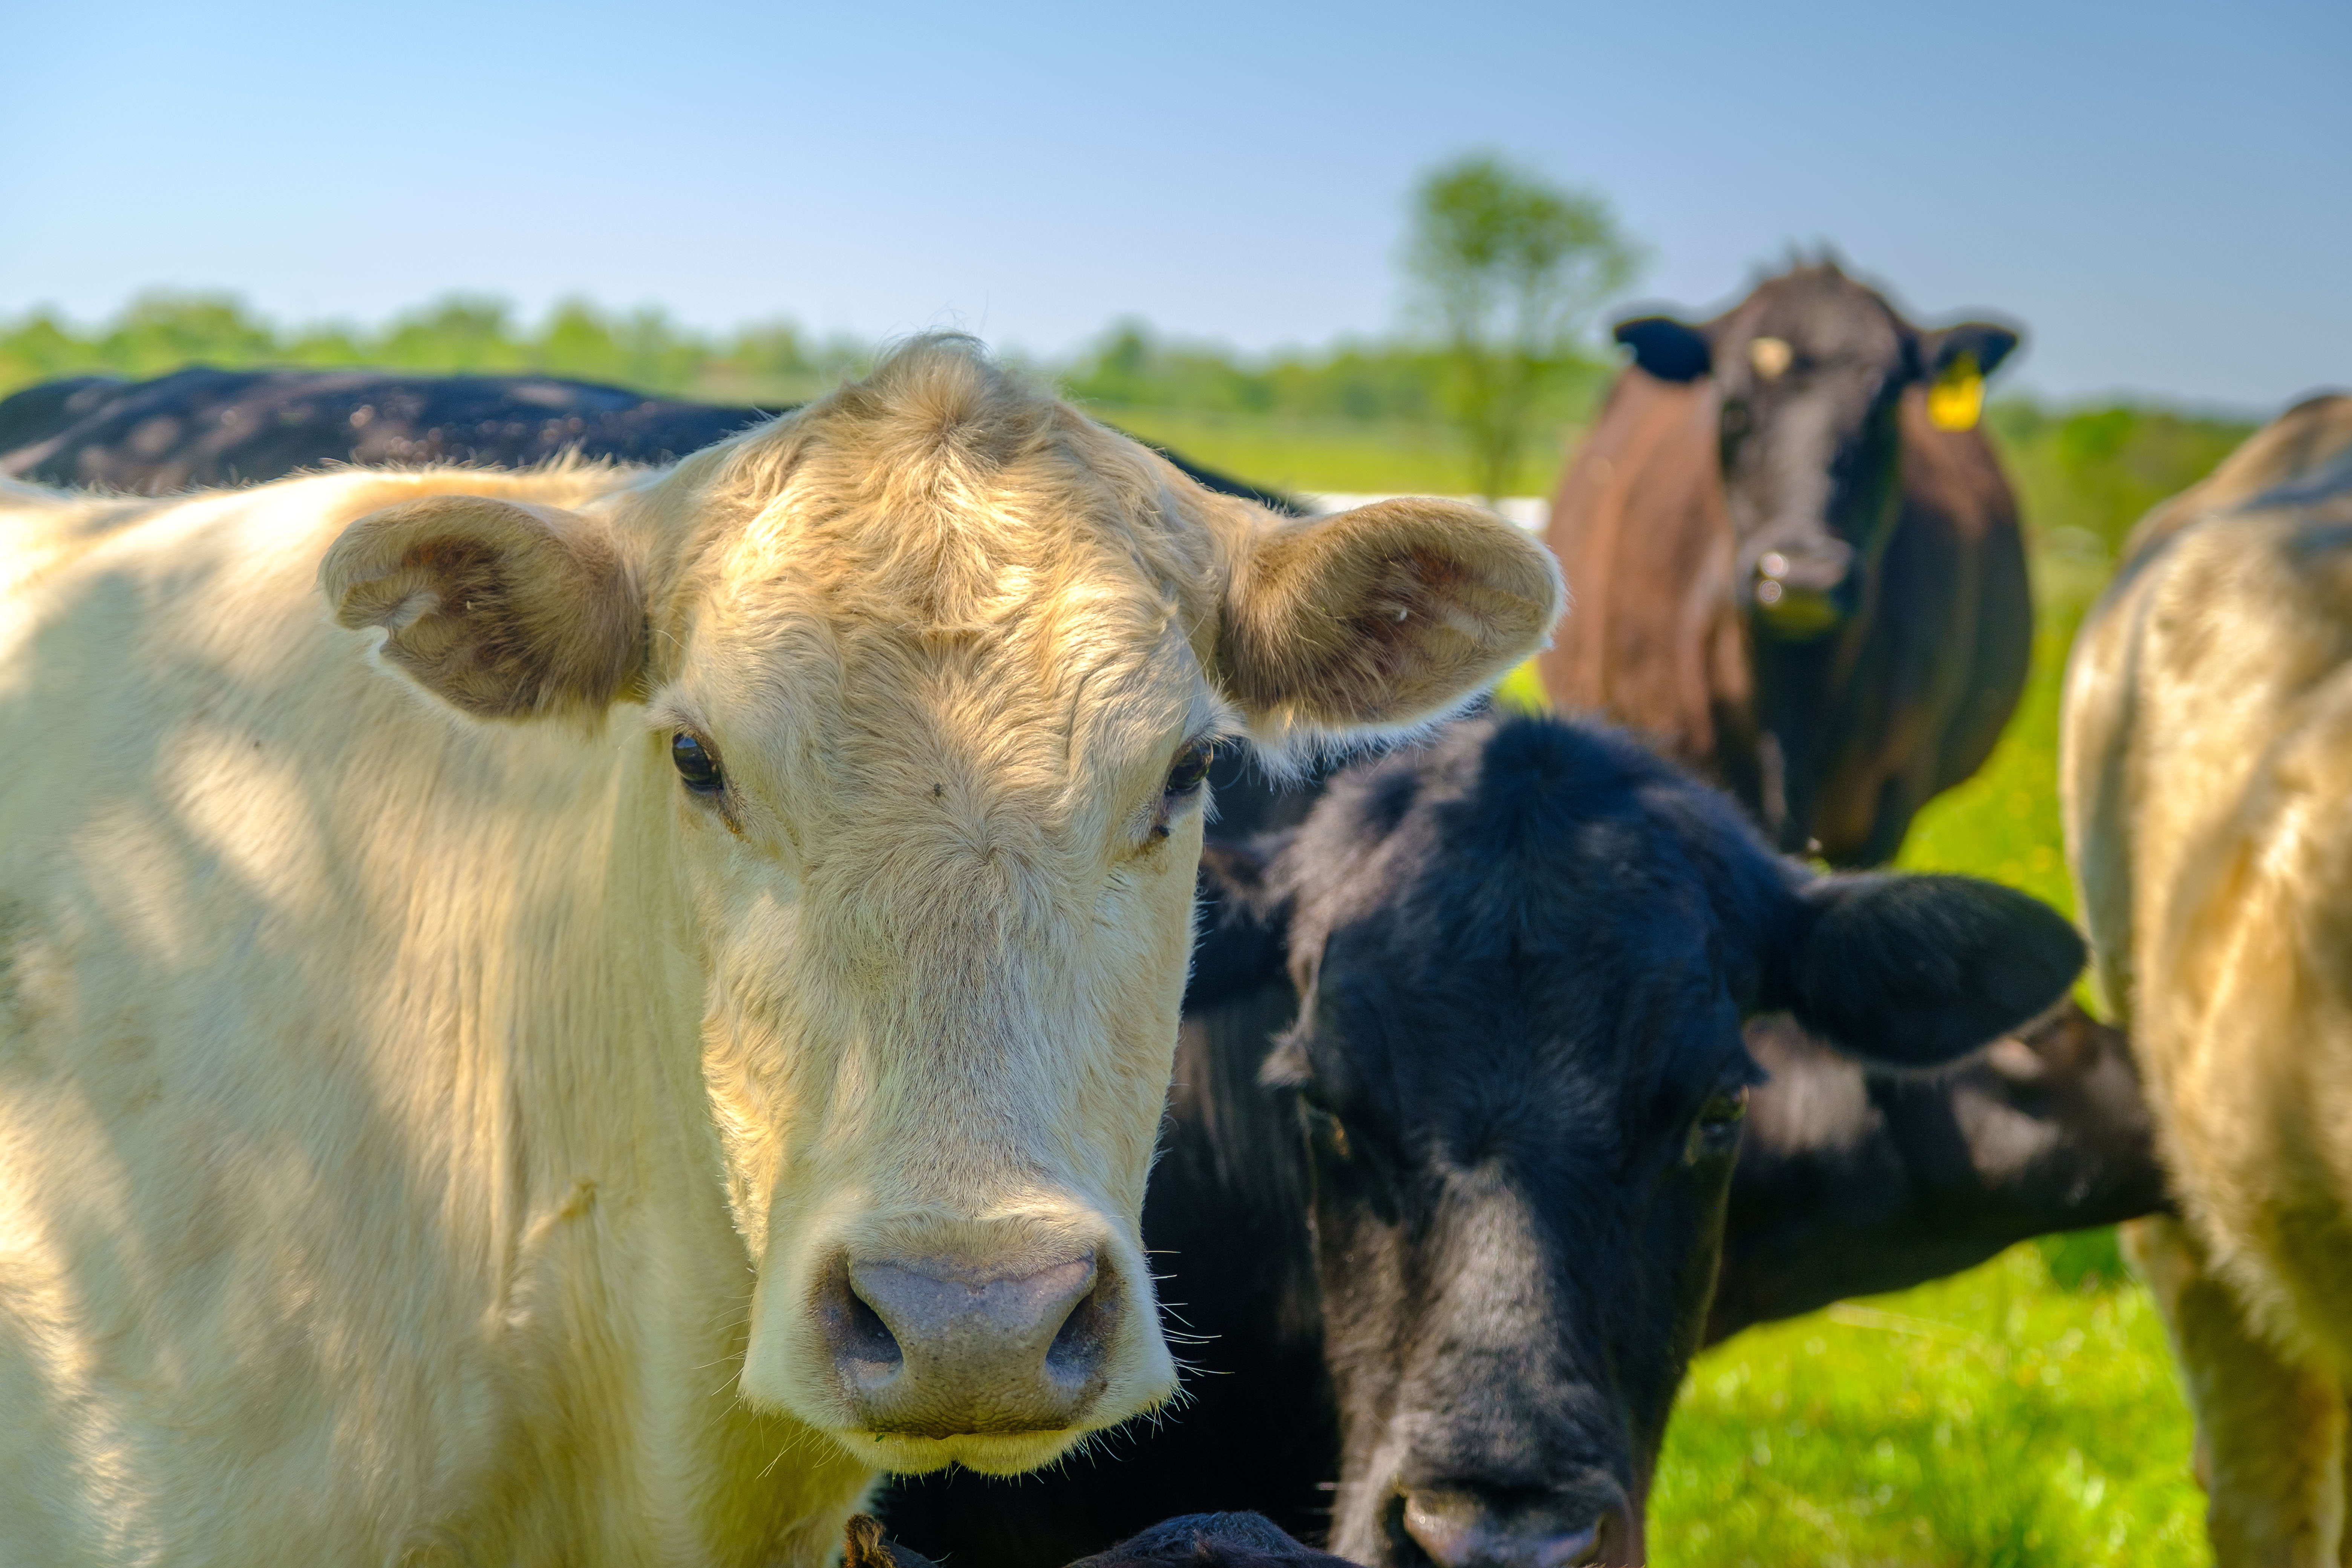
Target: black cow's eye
pixel 1325 1129
pixel 695 764
pixel 1191 767
pixel 1718 1125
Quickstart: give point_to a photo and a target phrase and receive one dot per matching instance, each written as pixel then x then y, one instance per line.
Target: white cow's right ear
pixel 503 610
pixel 1379 618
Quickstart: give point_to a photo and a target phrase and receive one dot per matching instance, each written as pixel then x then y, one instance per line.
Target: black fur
pixel 1212 1541
pixel 203 426
pixel 1915 970
pixel 1666 348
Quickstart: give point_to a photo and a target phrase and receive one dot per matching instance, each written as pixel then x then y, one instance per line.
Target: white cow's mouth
pixel 989 1453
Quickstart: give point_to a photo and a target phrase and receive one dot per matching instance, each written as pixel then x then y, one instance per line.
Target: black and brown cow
pixel 1796 560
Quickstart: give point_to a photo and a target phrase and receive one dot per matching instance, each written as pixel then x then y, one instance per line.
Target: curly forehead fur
pixel 1460 829
pixel 947 493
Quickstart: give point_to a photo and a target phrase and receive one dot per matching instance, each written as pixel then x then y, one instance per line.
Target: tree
pixel 1511 270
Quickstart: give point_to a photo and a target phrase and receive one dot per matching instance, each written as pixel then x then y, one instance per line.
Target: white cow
pixel 651 1004
pixel 2208 785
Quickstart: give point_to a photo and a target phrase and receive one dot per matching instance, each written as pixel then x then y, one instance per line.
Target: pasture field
pixel 1305 453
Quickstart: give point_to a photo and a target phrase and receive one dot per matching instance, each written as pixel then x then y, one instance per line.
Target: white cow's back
pixel 285 954
pixel 2209 793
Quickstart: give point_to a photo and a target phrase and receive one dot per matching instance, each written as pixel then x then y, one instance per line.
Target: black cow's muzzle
pixel 1798 592
pixel 1466 1526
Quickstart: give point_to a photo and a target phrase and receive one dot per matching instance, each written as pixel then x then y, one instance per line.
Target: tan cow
pixel 2208 784
pixel 650 1004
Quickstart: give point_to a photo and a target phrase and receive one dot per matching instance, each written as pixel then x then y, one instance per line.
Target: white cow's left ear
pixel 503 610
pixel 1379 618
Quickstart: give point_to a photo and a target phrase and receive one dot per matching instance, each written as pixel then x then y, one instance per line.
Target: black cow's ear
pixel 1913 971
pixel 1986 343
pixel 1244 941
pixel 1667 349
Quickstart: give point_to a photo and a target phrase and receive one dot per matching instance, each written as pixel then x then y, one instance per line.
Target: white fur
pixel 2207 788
pixel 419 1133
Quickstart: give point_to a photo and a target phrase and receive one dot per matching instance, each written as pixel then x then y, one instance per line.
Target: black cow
pixel 203 426
pixel 1525 955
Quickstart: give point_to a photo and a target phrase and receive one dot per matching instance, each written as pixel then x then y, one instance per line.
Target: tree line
pixel 1506 275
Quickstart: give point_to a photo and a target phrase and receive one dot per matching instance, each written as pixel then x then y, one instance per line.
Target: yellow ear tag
pixel 1956 401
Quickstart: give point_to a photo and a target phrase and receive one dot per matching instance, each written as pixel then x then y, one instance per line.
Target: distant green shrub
pixel 1367 382
pixel 2100 469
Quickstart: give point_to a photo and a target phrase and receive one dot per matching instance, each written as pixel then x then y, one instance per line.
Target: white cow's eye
pixel 1191 767
pixel 1185 777
pixel 696 763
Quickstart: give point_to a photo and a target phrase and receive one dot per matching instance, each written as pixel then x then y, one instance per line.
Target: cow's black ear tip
pixel 1988 343
pixel 2000 343
pixel 1665 348
pixel 2026 944
pixel 1918 971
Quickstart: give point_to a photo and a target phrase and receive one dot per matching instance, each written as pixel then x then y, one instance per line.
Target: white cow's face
pixel 926 677
pixel 943 885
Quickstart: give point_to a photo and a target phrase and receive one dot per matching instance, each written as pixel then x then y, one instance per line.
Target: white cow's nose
pixel 928 1349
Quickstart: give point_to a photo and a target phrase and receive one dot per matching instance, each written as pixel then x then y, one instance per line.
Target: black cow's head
pixel 1523 957
pixel 1811 369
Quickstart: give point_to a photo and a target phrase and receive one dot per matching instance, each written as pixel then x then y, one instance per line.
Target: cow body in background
pixel 203 426
pixel 653 1002
pixel 1513 1096
pixel 2207 783
pixel 1852 1182
pixel 1787 575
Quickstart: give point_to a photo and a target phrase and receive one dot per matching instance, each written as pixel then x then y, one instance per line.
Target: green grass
pixel 1301 453
pixel 2004 823
pixel 1998 1419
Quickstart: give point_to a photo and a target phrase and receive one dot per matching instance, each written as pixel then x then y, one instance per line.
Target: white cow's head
pixel 926 676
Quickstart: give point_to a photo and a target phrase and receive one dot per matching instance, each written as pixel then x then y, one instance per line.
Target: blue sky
pixel 2162 194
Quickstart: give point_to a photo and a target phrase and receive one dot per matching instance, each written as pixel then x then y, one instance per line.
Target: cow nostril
pixel 1453 1529
pixel 928 1346
pixel 1080 1344
pixel 1801 595
pixel 863 1345
pixel 1577 1550
pixel 868 1337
